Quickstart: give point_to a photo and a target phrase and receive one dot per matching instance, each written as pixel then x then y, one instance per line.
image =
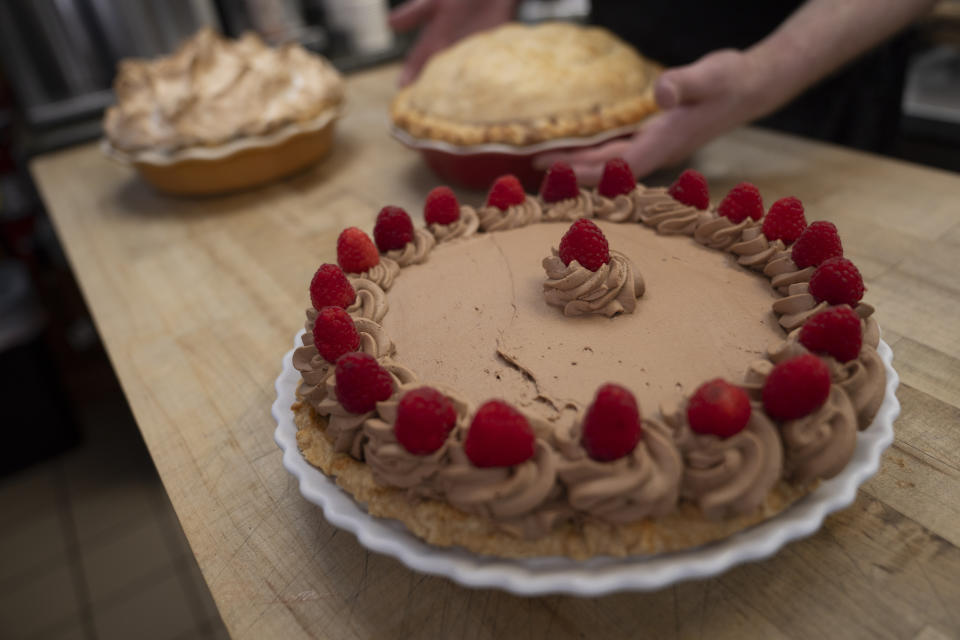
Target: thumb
pixel 411 14
pixel 694 82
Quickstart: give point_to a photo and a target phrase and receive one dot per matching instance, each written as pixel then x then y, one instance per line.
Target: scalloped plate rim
pixel 597 576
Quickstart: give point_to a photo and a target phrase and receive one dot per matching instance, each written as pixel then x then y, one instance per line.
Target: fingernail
pixel 666 94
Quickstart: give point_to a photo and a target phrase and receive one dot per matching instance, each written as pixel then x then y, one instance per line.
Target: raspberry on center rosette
pixel 611 292
pixel 585 243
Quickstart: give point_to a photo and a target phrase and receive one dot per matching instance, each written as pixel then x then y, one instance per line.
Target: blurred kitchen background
pixel 89 545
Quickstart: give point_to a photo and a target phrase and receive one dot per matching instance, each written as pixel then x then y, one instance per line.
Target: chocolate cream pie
pixel 731 399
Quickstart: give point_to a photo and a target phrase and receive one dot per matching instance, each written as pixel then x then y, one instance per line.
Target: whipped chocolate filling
pixel 621 208
pixel 495 317
pixel 483 301
pixel 415 251
pixel 370 303
pixel 754 251
pixel 381 274
pixel 463 227
pixel 821 444
pixel 644 483
pixel 613 288
pixel 783 271
pixel 657 209
pixel 344 427
pixel 718 232
pixel 727 476
pixel 392 465
pixel 569 209
pixel 516 216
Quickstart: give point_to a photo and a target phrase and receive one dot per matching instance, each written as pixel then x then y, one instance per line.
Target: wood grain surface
pixel 198 299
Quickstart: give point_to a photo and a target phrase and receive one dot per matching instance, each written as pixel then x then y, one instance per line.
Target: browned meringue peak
pixel 719 232
pixel 569 209
pixel 727 476
pixel 643 484
pixel 611 289
pixel 382 274
pixel 821 444
pixel 524 499
pixel 494 316
pixel 754 251
pixel 464 227
pixel 392 465
pixel 415 251
pixel 345 428
pixel 520 215
pixel 213 90
pixel 783 271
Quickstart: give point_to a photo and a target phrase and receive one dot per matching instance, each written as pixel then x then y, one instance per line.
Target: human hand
pixel 699 101
pixel 444 22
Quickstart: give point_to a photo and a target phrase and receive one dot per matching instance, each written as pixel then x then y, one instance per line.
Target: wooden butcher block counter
pixel 198 299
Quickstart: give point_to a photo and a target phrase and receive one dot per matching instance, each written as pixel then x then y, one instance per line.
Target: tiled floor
pixel 90 547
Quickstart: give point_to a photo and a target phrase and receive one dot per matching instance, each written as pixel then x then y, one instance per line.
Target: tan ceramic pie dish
pixel 241 164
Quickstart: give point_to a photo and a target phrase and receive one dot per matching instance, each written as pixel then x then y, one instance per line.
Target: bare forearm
pixel 820 37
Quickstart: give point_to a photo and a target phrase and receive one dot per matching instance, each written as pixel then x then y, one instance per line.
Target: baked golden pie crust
pixel 441 524
pixel 520 84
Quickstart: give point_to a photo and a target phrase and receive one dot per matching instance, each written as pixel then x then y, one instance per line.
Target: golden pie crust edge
pixel 423 125
pixel 441 524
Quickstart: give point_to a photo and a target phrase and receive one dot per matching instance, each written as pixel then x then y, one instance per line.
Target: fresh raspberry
pixel 424 418
pixel 719 408
pixel 330 288
pixel 441 206
pixel 585 243
pixel 334 333
pixel 393 229
pixel 617 179
pixel 785 220
pixel 611 426
pixel 355 251
pixel 741 202
pixel 838 281
pixel 499 436
pixel 817 243
pixel 360 382
pixel 796 387
pixel 691 189
pixel 835 331
pixel 506 192
pixel 560 183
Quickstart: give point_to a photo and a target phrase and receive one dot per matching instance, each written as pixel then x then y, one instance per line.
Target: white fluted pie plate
pixel 597 576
